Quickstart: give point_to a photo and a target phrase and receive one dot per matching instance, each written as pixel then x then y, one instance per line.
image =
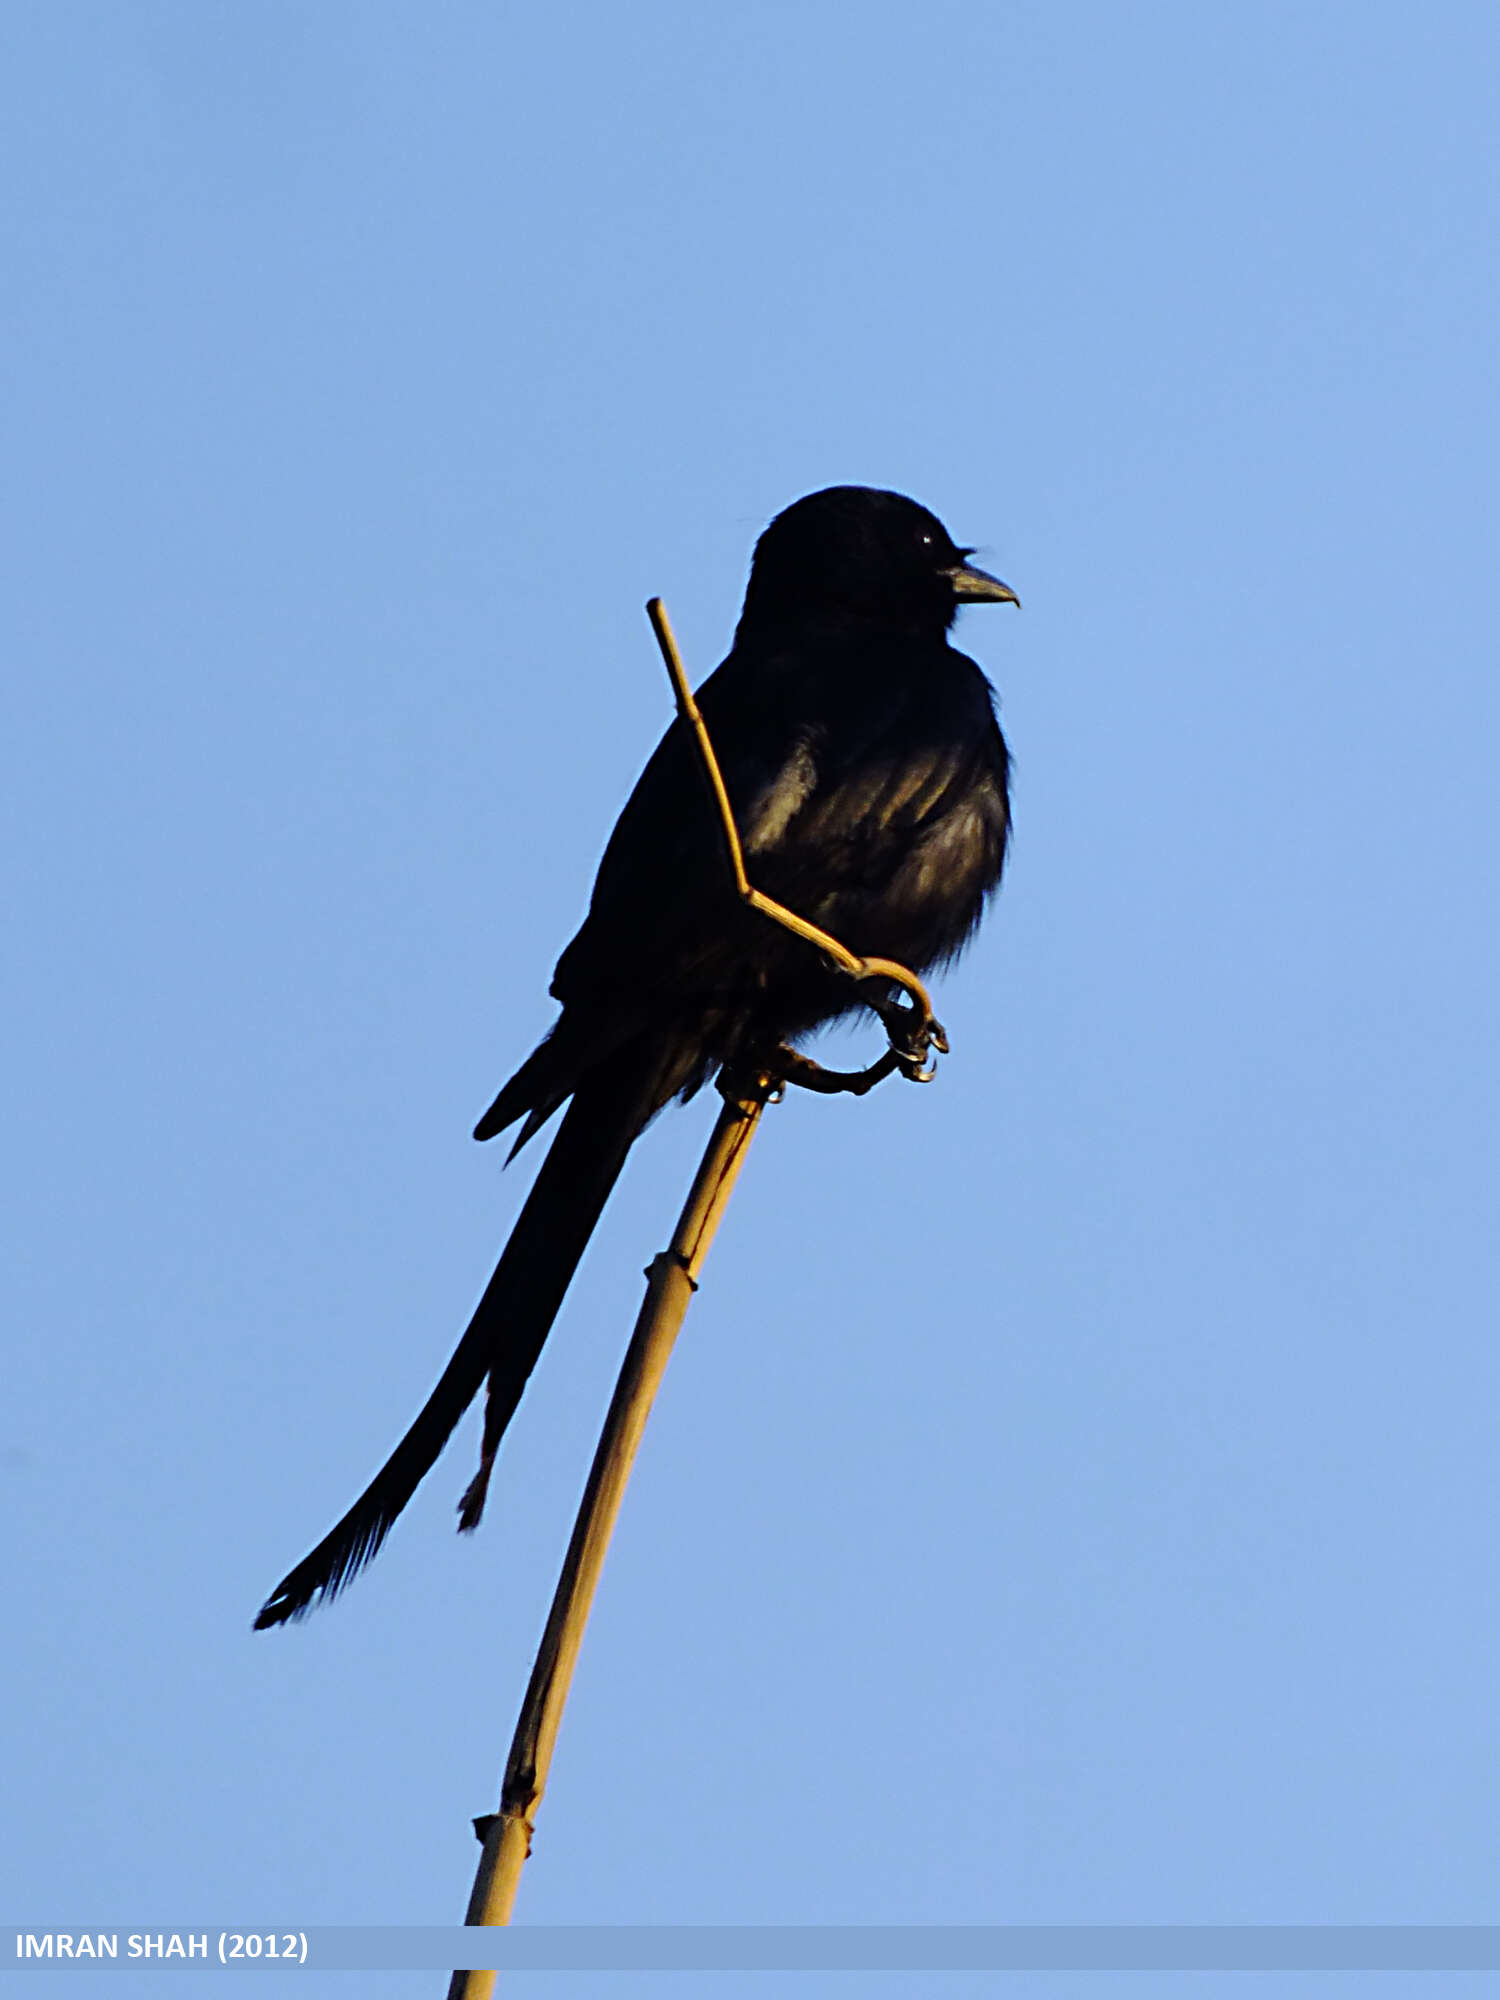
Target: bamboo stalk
pixel 671 1282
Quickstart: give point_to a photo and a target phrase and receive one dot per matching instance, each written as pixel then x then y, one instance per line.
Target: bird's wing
pixel 915 779
pixel 840 763
pixel 664 890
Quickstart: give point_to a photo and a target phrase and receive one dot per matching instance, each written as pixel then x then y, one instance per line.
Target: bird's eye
pixel 925 539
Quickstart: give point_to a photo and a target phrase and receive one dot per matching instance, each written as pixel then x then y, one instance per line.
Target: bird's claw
pixel 914 1032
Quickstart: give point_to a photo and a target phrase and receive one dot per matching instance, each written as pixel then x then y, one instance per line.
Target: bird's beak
pixel 977 586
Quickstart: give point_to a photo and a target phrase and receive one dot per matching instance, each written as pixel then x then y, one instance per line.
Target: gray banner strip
pixel 796 1948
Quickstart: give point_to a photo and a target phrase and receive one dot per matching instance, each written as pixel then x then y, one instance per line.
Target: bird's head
pixel 857 551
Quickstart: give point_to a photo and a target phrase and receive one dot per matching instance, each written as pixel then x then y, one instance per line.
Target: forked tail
pixel 510 1323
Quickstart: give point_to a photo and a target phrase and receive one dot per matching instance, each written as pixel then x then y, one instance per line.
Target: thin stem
pixel 843 958
pixel 671 1282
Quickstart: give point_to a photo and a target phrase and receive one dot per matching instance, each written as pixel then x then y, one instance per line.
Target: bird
pixel 869 781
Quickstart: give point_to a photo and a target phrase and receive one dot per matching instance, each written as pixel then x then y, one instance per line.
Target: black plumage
pixel 868 778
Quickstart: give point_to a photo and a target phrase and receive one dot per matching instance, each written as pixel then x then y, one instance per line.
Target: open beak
pixel 977 586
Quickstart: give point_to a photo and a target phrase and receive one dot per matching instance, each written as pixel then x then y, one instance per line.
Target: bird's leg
pixel 790 1066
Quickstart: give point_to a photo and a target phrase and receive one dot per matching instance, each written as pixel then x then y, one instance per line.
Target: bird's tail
pixel 610 1108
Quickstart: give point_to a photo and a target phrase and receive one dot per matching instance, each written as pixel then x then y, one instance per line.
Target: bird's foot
pixel 913 1031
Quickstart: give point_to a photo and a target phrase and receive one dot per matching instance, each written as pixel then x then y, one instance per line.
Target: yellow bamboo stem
pixel 843 958
pixel 671 1282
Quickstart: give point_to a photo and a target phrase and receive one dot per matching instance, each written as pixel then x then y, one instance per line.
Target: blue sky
pixel 1074 1496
